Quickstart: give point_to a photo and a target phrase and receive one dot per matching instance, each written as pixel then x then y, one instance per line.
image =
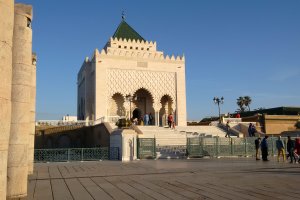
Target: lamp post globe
pixel 130 98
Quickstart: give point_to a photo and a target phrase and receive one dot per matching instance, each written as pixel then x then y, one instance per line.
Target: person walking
pixel 227 129
pixel 146 119
pixel 257 146
pixel 280 149
pixel 170 120
pixel 297 149
pixel 264 148
pixel 290 149
pixel 173 124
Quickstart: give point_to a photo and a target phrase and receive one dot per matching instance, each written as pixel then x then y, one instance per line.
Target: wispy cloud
pixel 284 74
pixel 277 96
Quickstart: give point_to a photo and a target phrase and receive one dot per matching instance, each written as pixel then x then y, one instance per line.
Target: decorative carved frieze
pixel 129 81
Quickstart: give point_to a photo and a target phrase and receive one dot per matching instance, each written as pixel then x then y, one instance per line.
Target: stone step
pixel 180 132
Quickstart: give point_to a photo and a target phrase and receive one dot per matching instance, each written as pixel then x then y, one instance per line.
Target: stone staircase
pixel 166 136
pixel 163 136
pixel 205 131
pixel 171 143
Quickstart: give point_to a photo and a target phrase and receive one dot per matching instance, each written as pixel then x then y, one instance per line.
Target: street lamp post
pixel 130 98
pixel 219 101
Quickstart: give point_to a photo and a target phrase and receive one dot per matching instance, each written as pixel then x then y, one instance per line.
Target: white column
pixel 32 116
pixel 6 43
pixel 17 166
pixel 127 108
pixel 156 107
pixel 173 107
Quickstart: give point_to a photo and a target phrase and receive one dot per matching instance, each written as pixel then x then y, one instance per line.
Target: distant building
pixel 68 118
pixel 129 77
pixel 284 110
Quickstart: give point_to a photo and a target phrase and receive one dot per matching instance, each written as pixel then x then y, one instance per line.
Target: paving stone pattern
pixel 224 178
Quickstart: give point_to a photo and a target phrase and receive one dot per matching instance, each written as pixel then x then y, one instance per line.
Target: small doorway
pixel 137 113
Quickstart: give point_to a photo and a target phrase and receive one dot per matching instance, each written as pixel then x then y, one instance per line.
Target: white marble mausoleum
pixel 129 65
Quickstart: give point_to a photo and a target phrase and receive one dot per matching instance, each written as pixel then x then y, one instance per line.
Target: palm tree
pixel 247 101
pixel 241 102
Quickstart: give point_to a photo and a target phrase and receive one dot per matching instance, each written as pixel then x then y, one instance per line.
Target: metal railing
pixel 146 148
pixel 222 147
pixel 110 119
pixel 171 151
pixel 114 119
pixel 63 123
pixel 76 154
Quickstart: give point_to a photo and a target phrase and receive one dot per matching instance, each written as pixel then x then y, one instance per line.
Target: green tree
pixel 247 101
pixel 244 102
pixel 297 125
pixel 241 102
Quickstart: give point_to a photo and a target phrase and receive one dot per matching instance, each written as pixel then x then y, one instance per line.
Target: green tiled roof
pixel 126 31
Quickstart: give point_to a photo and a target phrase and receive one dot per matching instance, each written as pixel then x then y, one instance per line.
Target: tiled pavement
pixel 224 178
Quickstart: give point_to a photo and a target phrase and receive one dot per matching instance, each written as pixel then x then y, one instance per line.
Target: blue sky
pixel 233 48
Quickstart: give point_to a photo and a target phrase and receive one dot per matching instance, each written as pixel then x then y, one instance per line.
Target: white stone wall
pixel 81 94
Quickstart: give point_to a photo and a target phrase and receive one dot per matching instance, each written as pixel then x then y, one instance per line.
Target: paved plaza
pixel 223 178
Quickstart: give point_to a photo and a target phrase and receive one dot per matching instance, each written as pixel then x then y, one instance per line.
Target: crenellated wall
pixel 135 49
pixel 131 44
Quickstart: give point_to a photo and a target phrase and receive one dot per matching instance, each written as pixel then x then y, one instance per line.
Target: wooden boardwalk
pixel 236 178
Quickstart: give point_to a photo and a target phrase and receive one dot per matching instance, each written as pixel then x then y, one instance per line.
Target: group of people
pixel 251 130
pixel 292 148
pixel 146 120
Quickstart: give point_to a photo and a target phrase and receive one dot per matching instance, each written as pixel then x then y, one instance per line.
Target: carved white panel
pixel 129 81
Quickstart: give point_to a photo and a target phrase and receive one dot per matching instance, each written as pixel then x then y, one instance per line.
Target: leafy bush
pixel 297 124
pixel 123 123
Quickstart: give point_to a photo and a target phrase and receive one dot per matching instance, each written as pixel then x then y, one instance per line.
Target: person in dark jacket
pixel 257 145
pixel 150 119
pixel 251 130
pixel 290 149
pixel 264 148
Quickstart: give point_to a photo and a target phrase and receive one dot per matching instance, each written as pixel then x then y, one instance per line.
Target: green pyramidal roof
pixel 125 31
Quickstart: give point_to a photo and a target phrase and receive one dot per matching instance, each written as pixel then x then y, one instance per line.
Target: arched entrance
pixel 116 105
pixel 137 113
pixel 166 109
pixel 144 103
